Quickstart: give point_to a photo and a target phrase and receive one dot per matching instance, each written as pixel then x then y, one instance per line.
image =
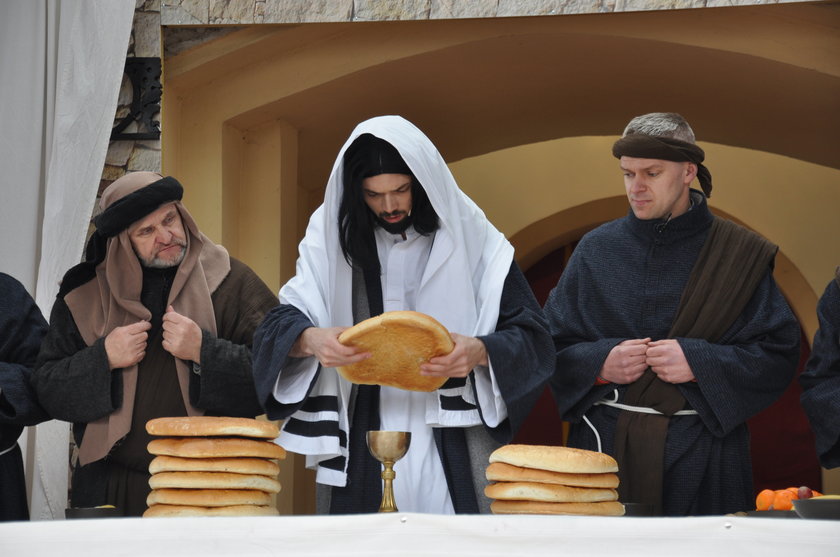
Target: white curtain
pixel 61 64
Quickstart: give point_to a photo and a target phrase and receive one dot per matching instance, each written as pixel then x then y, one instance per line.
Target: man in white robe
pixel 396 233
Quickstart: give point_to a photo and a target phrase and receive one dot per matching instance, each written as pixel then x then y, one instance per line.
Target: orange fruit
pixel 764 499
pixel 783 500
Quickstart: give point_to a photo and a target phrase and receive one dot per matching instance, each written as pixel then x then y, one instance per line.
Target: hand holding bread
pixel 399 343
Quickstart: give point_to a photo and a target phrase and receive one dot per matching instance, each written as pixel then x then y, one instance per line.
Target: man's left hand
pixel 667 360
pixel 181 336
pixel 468 353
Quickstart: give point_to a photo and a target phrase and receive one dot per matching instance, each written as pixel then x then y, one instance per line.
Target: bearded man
pixel 157 321
pixel 670 333
pixel 396 233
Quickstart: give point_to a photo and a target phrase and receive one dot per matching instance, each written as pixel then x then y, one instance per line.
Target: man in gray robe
pixel 670 333
pixel 21 329
pixel 820 379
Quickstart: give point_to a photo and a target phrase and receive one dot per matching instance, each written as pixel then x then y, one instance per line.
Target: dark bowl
pixel 92 512
pixel 818 507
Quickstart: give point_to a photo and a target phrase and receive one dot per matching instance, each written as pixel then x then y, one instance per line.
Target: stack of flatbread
pixel 213 466
pixel 537 479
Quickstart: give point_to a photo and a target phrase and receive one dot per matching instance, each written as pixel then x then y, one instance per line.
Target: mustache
pixel 384 215
pixel 176 242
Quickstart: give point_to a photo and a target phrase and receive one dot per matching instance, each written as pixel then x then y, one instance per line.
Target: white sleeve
pixel 293 380
pixel 493 407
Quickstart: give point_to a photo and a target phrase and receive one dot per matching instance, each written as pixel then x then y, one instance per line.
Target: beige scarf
pixel 112 299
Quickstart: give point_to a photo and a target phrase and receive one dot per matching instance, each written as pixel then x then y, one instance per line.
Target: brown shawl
pixel 730 266
pixel 112 299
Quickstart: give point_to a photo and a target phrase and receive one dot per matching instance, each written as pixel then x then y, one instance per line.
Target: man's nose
pixel 389 203
pixel 637 183
pixel 164 236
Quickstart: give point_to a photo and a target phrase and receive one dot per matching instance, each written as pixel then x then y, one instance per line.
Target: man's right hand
pixel 626 361
pixel 323 344
pixel 126 345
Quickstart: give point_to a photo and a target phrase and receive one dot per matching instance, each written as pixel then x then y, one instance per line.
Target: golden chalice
pixel 388 447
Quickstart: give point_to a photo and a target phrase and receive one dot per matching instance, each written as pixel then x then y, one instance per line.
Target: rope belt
pixel 642 409
pixel 615 404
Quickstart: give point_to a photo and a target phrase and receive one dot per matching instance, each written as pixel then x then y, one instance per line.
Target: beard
pixel 395 227
pixel 159 263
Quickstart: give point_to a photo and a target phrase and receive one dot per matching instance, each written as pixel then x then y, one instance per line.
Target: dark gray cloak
pixel 21 329
pixel 820 379
pixel 624 281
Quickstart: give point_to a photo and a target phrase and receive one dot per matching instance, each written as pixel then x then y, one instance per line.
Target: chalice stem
pixel 388 504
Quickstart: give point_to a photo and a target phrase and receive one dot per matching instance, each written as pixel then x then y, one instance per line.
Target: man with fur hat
pixel 670 333
pixel 157 321
pixel 396 233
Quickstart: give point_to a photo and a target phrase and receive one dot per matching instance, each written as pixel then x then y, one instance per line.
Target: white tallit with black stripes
pixel 461 287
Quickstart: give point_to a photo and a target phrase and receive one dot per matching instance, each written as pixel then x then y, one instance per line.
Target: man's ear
pixel 690 172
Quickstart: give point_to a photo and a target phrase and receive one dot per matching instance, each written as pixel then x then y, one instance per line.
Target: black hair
pixel 370 156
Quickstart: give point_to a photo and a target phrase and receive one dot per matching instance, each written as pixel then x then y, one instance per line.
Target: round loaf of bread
pixel 156 511
pixel 398 341
pixel 530 491
pixel 207 426
pixel 607 508
pixel 501 472
pixel 215 447
pixel 208 497
pixel 555 459
pixel 213 480
pixel 241 465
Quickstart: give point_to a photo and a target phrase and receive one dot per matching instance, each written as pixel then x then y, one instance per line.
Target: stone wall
pixel 233 12
pixel 132 155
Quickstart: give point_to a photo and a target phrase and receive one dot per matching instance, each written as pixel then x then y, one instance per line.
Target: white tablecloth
pixel 418 535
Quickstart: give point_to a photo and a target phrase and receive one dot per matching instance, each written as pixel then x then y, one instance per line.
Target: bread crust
pixel 213 480
pixel 531 491
pixel 206 426
pixel 399 341
pixel 607 508
pixel 156 511
pixel 201 447
pixel 208 497
pixel 238 465
pixel 555 459
pixel 501 472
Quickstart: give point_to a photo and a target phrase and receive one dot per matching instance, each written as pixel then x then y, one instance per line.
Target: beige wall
pixel 525 111
pixel 790 202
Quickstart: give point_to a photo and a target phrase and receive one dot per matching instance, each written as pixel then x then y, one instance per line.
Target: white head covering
pixel 461 286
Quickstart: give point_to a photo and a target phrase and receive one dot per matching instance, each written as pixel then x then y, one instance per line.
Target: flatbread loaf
pixel 216 447
pixel 530 491
pixel 607 508
pixel 240 465
pixel 156 511
pixel 207 426
pixel 555 459
pixel 399 341
pixel 501 472
pixel 208 497
pixel 213 480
